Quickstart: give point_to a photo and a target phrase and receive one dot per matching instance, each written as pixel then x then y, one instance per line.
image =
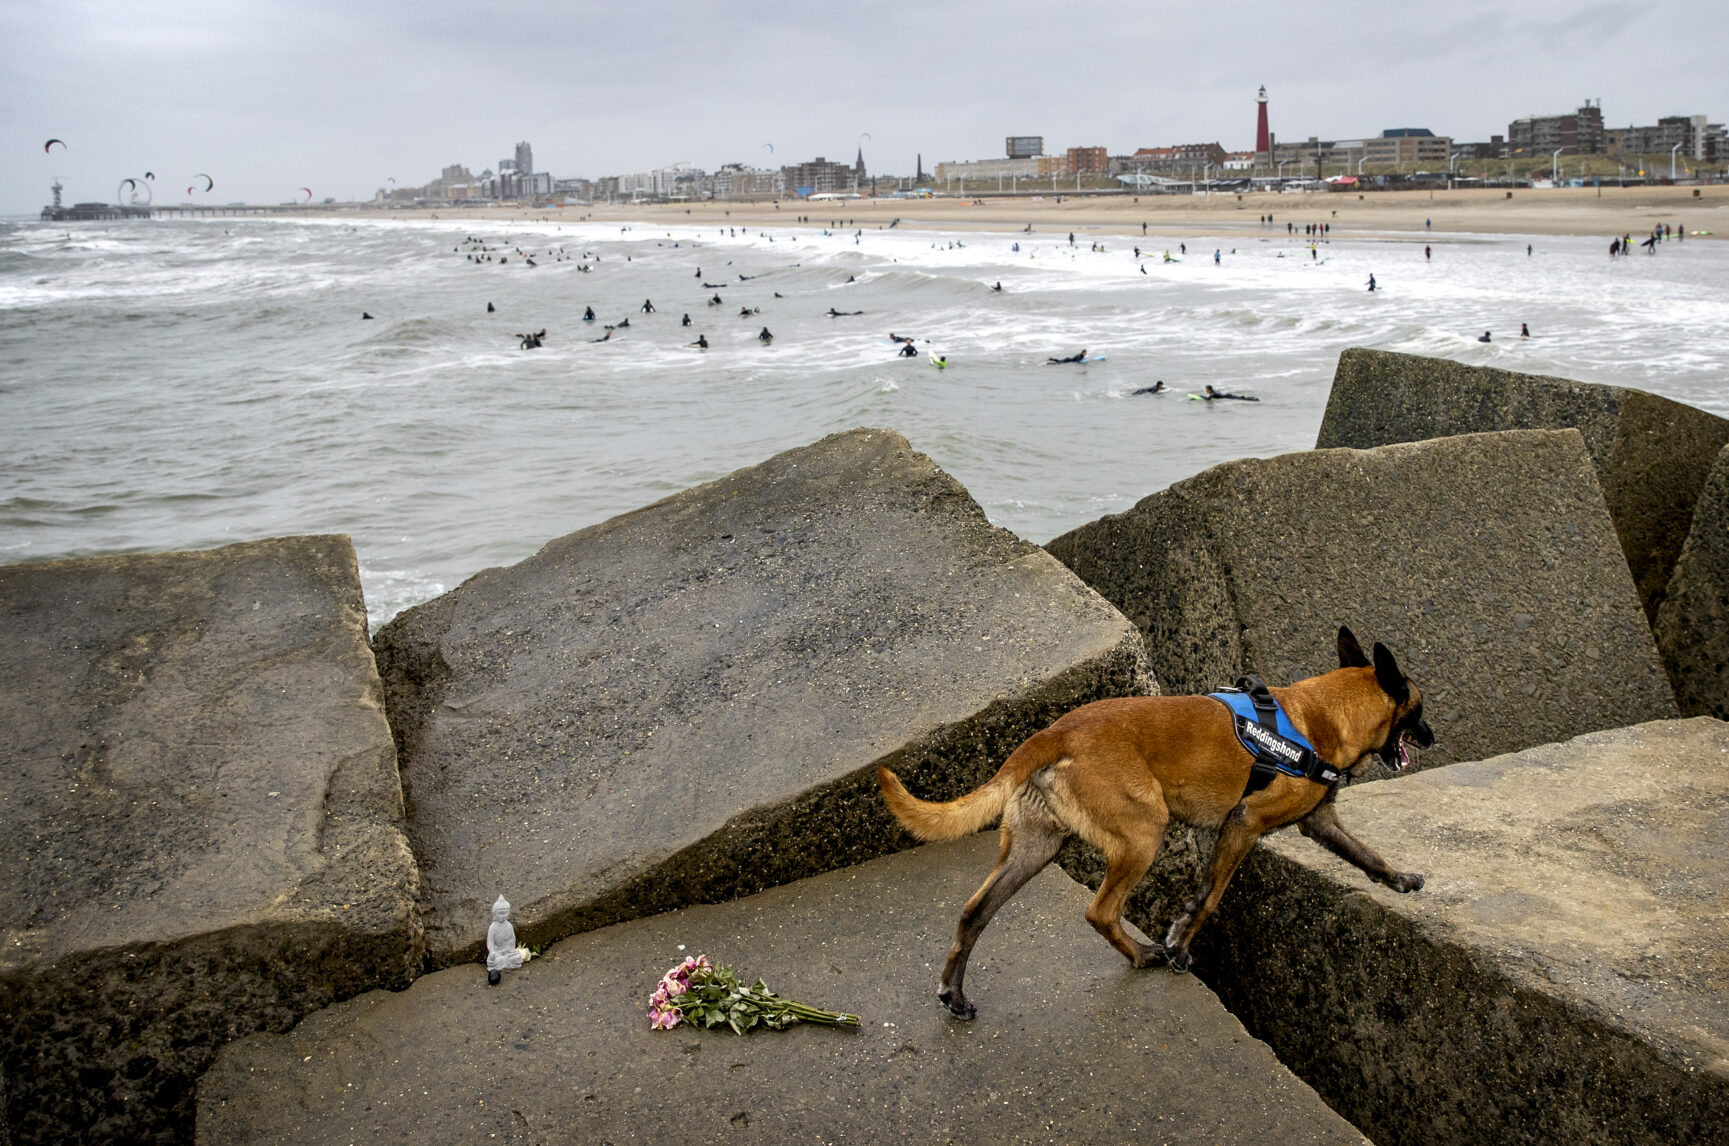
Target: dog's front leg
pixel 1322 825
pixel 1239 833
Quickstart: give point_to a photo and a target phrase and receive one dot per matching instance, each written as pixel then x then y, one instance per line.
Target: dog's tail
pixel 931 821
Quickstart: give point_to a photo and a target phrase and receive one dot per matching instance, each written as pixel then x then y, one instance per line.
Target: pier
pixel 100 212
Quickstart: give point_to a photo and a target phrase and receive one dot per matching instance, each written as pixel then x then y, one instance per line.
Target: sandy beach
pixel 1608 211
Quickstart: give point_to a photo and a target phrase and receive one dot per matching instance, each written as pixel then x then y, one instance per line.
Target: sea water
pixel 176 385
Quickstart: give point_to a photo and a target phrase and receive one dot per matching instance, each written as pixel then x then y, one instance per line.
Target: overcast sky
pixel 339 95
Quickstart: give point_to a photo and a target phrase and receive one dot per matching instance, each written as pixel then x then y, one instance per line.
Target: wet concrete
pixel 1563 976
pixel 1651 453
pixel 1693 623
pixel 200 824
pixel 686 704
pixel 1070 1044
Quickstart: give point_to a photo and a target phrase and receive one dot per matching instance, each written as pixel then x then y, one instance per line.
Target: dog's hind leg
pixel 1031 836
pixel 1130 848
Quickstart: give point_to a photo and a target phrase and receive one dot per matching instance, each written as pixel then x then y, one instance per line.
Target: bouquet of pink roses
pixel 704 994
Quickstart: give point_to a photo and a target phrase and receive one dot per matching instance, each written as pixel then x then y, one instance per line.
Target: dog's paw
pixel 1178 957
pixel 1150 955
pixel 958 1005
pixel 1406 881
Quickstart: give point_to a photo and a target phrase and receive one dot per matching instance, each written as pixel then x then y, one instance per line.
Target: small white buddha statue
pixel 502 953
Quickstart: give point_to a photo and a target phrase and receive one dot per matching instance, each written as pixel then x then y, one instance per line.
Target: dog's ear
pixel 1388 676
pixel 1350 652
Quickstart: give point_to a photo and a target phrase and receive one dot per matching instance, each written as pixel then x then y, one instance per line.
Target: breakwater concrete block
pixel 1693 622
pixel 1563 976
pixel 1651 453
pixel 200 824
pixel 1486 562
pixel 1070 1044
pixel 686 704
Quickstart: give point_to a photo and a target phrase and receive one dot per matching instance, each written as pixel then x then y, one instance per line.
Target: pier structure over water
pixel 94 212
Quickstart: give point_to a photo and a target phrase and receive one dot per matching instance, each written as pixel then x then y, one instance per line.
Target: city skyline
pixel 274 98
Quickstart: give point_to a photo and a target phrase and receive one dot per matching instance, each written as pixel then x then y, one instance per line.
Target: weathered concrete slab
pixel 200 823
pixel 1071 1045
pixel 1693 623
pixel 1652 454
pixel 1562 977
pixel 1486 562
pixel 684 704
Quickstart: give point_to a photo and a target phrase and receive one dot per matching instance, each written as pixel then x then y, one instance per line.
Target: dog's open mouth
pixel 1402 760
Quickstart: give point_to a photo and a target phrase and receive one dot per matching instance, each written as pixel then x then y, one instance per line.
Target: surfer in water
pixel 999 287
pixel 1158 387
pixel 893 337
pixel 765 337
pixel 489 309
pixel 1212 394
pixel 685 321
pixel 607 337
pixel 701 342
pixel 746 312
pixel 364 316
pixel 531 341
pixel 715 301
pixel 1485 337
pixel 909 350
pixel 648 306
pixel 1524 330
pixel 833 313
pixel 1081 357
pixel 588 314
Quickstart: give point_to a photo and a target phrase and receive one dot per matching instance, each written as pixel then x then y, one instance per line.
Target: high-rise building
pixel 1024 146
pixel 1263 137
pixel 1579 133
pixel 525 159
pixel 1690 134
pixel 818 176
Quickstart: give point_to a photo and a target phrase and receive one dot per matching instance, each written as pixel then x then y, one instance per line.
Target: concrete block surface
pixel 1486 562
pixel 686 703
pixel 200 823
pixel 1563 976
pixel 1071 1044
pixel 1693 623
pixel 1651 453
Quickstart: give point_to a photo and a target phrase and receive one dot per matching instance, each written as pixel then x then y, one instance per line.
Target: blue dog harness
pixel 1270 737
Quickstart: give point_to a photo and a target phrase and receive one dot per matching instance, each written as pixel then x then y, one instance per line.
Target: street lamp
pixel 1361 161
pixel 1281 173
pixel 1672 152
pixel 1555 166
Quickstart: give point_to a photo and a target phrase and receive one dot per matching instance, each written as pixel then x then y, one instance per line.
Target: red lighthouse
pixel 1263 137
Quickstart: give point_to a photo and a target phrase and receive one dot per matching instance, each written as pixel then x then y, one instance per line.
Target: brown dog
pixel 1116 771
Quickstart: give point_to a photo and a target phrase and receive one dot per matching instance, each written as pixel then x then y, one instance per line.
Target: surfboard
pixel 938 361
